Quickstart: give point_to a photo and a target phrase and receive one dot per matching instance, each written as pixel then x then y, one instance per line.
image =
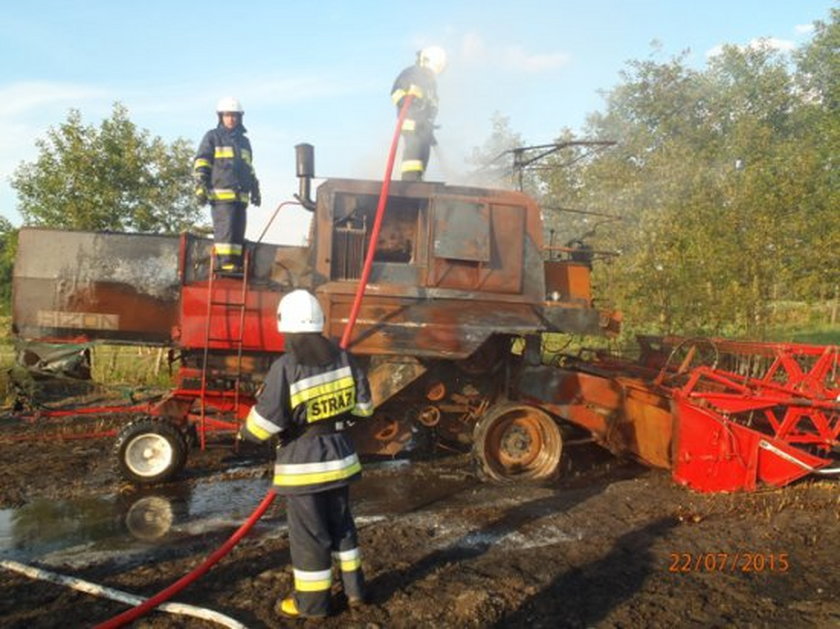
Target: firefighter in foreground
pixel 418 129
pixel 310 394
pixel 224 176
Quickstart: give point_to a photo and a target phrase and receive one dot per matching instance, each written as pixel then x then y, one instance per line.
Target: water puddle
pixel 98 528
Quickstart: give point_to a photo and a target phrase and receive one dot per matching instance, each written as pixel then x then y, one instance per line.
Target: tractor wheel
pixel 514 442
pixel 150 451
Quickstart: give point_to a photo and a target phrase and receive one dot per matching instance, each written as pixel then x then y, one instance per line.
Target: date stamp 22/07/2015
pixel 756 562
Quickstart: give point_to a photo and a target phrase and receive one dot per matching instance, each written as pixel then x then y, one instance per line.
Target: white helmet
pixel 434 58
pixel 299 311
pixel 229 103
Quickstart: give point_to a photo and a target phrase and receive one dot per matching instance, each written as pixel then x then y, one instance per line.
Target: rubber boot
pixel 288 608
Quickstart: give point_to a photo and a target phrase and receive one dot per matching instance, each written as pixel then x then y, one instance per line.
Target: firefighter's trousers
pixel 321 529
pixel 229 220
pixel 417 145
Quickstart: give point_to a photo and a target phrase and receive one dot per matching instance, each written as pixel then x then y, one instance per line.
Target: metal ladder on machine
pixel 237 342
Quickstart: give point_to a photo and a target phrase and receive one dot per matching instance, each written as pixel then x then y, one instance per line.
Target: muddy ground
pixel 611 544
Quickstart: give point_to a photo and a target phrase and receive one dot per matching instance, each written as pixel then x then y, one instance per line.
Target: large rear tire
pixel 515 442
pixel 150 451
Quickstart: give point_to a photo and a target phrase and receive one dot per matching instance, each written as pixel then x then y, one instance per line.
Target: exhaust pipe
pixel 305 171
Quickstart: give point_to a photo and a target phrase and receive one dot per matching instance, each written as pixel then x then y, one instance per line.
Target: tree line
pixel 720 194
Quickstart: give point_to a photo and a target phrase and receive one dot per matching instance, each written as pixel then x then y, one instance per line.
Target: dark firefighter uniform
pixel 307 407
pixel 418 127
pixel 224 174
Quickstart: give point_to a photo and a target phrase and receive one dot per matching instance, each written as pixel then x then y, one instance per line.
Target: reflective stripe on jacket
pixel 307 406
pixel 224 165
pixel 421 83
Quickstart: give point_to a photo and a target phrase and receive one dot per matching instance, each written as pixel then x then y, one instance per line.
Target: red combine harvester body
pixel 461 292
pixel 458 276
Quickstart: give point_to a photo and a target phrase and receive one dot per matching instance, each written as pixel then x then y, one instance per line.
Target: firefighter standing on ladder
pixel 310 394
pixel 418 130
pixel 224 176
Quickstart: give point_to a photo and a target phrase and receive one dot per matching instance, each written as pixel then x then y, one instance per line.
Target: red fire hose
pixel 165 594
pixel 168 592
pixel 377 224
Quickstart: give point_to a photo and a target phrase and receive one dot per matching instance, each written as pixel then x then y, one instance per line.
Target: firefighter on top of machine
pixel 311 393
pixel 418 128
pixel 224 176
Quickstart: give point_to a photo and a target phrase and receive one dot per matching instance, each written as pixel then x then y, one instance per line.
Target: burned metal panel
pixel 269 264
pixel 393 273
pixel 127 288
pixel 568 281
pixel 477 246
pixel 587 400
pixel 504 273
pixel 443 328
pixel 625 415
pixel 570 318
pixel 645 426
pixel 62 361
pixel 388 375
pixel 290 267
pixel 461 229
pixel 81 286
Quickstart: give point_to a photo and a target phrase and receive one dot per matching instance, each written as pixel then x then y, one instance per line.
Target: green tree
pixel 726 187
pixel 115 177
pixel 818 80
pixel 8 246
pixel 818 63
pixel 493 161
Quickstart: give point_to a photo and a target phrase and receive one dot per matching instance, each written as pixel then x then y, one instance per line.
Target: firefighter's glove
pixel 256 198
pixel 201 195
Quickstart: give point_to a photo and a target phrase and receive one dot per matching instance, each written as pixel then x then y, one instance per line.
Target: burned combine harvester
pixel 458 280
pixel 459 295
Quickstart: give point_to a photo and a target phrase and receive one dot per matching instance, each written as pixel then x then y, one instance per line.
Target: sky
pixel 321 72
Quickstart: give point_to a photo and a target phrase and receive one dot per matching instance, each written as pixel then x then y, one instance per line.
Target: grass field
pixel 819 335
